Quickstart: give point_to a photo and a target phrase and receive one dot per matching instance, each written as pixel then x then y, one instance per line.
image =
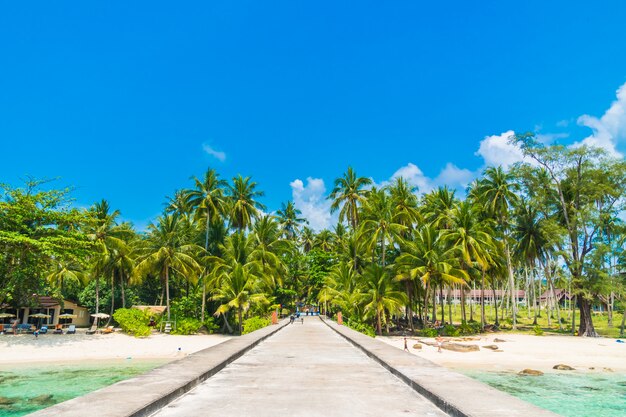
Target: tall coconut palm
pixel 289 220
pixel 104 232
pixel 166 249
pixel 243 204
pixel 381 295
pixel 380 225
pixel 66 270
pixel 269 250
pixel 348 193
pixel 430 258
pixel 496 190
pixel 472 239
pixel 208 201
pixel 404 202
pixel 238 276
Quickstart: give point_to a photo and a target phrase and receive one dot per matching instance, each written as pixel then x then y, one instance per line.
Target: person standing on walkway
pixel 405 345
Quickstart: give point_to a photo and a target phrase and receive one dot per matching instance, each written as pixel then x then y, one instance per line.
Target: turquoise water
pixel 568 394
pixel 28 388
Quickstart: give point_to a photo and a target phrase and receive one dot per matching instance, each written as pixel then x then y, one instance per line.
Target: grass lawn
pixel 525 324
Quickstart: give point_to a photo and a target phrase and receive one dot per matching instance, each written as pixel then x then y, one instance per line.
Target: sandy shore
pixel 81 347
pixel 526 351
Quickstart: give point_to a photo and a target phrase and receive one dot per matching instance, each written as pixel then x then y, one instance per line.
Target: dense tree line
pixel 547 224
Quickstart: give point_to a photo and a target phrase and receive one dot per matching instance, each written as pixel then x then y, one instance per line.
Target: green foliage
pixel 450 330
pixel 429 332
pixel 466 329
pixel 210 325
pixel 361 327
pixel 186 307
pixel 255 323
pixel 187 326
pixel 133 321
pixel 538 330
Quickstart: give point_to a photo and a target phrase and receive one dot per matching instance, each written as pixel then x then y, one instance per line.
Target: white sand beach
pixel 526 351
pixel 82 347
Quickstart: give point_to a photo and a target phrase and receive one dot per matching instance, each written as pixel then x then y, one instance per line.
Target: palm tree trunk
pixel 122 288
pixel 534 295
pixel 379 326
pixel 511 283
pixel 482 301
pixel 449 301
pixel 97 294
pixel 167 292
pixel 621 331
pixel 240 315
pixel 112 296
pixel 463 316
pixel 495 303
pixel 443 316
pixel 409 294
pixel 206 246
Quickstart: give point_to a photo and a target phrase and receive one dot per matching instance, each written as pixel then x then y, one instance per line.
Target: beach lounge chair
pixel 71 329
pixel 43 330
pixel 93 329
pixel 58 329
pixel 108 330
pixel 1 328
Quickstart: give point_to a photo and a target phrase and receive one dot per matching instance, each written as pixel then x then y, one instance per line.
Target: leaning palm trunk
pixel 511 283
pixel 112 296
pixel 167 292
pixel 482 301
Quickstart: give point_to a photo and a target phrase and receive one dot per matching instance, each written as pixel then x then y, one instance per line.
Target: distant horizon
pixel 128 106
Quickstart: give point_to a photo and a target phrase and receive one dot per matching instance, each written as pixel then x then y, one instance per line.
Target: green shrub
pixel 210 325
pixel 450 330
pixel 133 321
pixel 538 330
pixel 429 332
pixel 187 326
pixel 360 327
pixel 255 323
pixel 466 329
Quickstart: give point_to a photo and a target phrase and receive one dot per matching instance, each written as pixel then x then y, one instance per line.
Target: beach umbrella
pixel 39 316
pixel 101 316
pixel 67 316
pixel 6 315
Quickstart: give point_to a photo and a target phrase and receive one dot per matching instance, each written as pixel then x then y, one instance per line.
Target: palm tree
pixel 307 239
pixel 238 275
pixel 104 232
pixel 381 295
pixel 208 202
pixel 347 195
pixel 243 206
pixel 471 238
pixel 430 258
pixel 404 202
pixel 165 250
pixel 380 223
pixel 64 271
pixel 496 190
pixel 289 220
pixel 269 250
pixel 324 240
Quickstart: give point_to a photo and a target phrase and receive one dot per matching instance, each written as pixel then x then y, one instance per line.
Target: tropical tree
pixel 381 295
pixel 348 193
pixel 208 201
pixel 496 192
pixel 166 250
pixel 243 205
pixel 289 220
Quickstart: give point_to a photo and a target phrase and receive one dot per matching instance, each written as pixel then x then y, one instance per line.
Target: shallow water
pixel 31 387
pixel 571 394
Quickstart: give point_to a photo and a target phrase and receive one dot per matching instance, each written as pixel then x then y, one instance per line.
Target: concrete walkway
pixel 303 370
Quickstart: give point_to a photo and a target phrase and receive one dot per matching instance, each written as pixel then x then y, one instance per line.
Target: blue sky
pixel 127 101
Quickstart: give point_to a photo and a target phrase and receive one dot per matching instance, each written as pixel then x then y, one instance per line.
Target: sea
pixel 26 388
pixel 568 393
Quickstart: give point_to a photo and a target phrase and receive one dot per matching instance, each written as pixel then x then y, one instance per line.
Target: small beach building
pixel 53 308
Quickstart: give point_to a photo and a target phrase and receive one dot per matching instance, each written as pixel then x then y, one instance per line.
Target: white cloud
pixel 609 129
pixel 414 176
pixel 214 153
pixel 455 177
pixel 496 150
pixel 311 201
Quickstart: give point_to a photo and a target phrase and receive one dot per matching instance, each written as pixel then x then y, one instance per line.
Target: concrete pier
pixel 304 370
